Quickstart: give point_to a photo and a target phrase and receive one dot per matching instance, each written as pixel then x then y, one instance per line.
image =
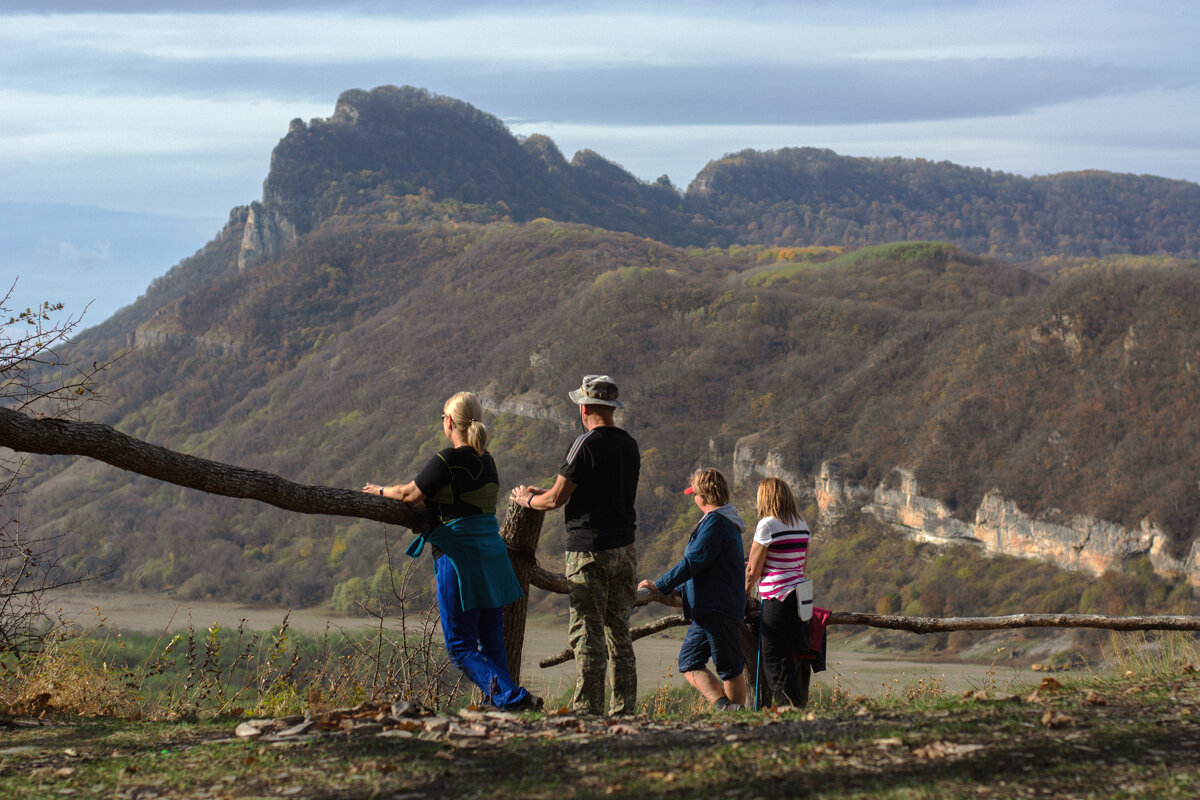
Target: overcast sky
pixel 131 128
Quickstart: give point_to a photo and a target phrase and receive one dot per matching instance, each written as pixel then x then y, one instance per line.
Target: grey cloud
pixel 878 92
pixel 81 255
pixel 743 93
pixel 59 253
pixel 411 9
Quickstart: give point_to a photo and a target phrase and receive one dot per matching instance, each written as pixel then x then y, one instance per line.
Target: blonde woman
pixel 776 565
pixel 475 579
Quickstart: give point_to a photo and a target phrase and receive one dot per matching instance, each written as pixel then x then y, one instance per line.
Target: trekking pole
pixel 758 664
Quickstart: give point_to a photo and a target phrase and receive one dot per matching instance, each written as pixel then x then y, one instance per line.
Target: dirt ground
pixel 1100 739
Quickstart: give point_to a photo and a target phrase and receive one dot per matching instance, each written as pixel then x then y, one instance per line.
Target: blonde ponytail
pixel 466 416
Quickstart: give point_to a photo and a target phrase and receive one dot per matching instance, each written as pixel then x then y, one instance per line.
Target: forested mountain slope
pixel 326 358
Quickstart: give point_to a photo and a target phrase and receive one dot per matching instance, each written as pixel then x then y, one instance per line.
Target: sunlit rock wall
pixel 1078 542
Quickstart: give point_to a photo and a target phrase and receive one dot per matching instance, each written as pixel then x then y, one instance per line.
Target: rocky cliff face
pixel 1079 542
pixel 265 234
pixel 753 460
pixel 531 405
pixel 167 327
pixel 904 507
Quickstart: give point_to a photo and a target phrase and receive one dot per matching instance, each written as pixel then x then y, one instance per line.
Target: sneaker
pixel 725 704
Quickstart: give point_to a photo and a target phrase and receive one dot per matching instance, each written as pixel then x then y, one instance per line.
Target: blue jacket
pixel 479 557
pixel 712 572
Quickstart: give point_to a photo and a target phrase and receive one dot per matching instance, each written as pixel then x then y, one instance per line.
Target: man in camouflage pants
pixel 598 484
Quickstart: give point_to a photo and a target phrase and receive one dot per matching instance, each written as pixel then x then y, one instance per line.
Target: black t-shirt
pixel 605 464
pixel 457 482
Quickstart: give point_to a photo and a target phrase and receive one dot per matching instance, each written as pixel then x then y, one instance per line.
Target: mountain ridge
pixel 382 145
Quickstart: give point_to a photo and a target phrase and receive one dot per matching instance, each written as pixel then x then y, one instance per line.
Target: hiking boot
pixel 530 702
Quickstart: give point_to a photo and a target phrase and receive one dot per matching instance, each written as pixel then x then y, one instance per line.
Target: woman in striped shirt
pixel 776 565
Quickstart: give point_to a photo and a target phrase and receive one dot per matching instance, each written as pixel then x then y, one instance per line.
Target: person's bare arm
pixel 754 565
pixel 408 492
pixel 544 499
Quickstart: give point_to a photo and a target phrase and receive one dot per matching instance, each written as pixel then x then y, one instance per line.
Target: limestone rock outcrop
pixel 167 327
pixel 755 459
pixel 531 405
pixel 1079 542
pixel 266 233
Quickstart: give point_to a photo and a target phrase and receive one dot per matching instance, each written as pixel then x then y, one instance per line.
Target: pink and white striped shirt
pixel 787 550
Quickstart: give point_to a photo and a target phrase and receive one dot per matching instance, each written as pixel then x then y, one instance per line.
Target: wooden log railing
pixel 950 624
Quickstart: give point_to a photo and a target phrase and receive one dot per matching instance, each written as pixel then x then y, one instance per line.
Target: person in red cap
pixel 709 579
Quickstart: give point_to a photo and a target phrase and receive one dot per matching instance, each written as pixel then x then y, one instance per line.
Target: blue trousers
pixel 475 640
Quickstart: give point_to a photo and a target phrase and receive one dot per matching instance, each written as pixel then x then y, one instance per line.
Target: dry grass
pixel 1142 654
pixel 212 672
pixel 64 677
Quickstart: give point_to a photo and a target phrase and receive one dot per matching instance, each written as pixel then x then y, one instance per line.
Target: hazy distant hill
pixel 810 196
pixel 379 284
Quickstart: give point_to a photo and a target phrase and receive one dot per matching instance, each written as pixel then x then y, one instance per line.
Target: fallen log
pixel 54 436
pixel 938 625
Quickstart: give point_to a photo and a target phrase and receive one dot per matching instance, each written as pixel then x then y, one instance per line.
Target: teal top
pixel 480 559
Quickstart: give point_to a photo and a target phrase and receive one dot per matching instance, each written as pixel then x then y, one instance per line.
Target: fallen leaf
pixel 931 750
pixel 1055 719
pixel 943 749
pixel 1050 684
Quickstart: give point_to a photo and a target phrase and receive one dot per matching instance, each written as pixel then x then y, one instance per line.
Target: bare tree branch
pixel 53 436
pixel 935 625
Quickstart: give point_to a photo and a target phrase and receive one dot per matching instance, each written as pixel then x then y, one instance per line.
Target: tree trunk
pixel 521 531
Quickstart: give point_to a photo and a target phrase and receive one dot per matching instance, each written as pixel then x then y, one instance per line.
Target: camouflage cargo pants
pixel 602 585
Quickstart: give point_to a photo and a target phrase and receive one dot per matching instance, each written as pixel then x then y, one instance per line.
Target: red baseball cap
pixel 690 490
